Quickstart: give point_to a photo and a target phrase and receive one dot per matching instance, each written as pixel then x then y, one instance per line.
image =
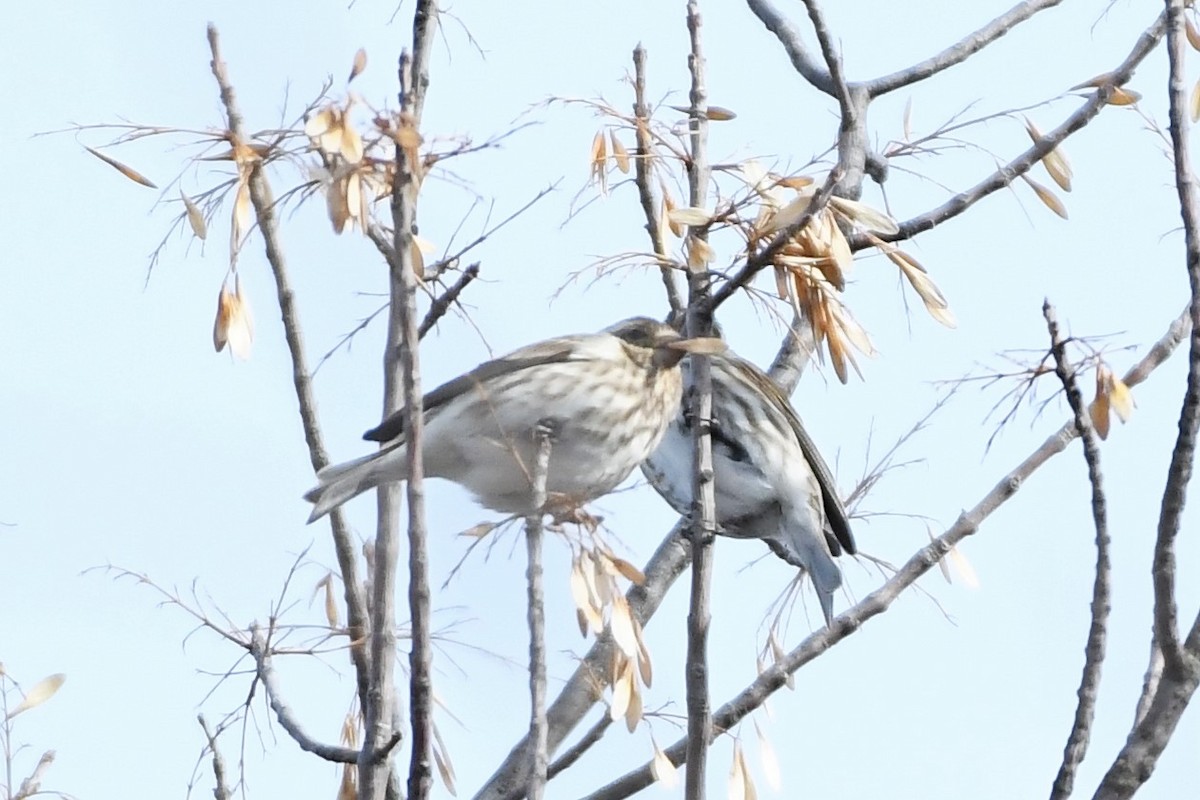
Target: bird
pixel 604 398
pixel 770 481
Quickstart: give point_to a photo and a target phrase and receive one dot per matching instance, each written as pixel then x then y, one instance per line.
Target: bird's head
pixel 665 344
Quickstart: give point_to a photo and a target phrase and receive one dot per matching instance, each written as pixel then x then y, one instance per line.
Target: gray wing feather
pixel 551 351
pixel 835 512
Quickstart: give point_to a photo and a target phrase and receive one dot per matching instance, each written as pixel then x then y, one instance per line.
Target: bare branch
pixel 221 790
pixel 265 671
pixel 1026 161
pixel 264 208
pixel 1089 685
pixel 1169 686
pixel 402 387
pixel 536 612
pixel 1166 631
pixel 789 37
pixel 643 172
pixel 441 304
pixel 959 51
pixel 704 517
pixel 576 751
pixel 765 257
pixel 31 786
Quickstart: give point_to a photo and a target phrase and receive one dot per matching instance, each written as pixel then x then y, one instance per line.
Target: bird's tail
pixel 338 483
pixel 799 545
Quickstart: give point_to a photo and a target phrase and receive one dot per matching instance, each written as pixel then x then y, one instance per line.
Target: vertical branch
pixel 1175 492
pixel 404 212
pixel 699 323
pixel 1168 690
pixel 402 387
pixel 264 209
pixel 1089 685
pixel 642 166
pixel 537 622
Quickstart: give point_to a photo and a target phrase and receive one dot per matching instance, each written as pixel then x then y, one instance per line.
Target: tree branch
pixel 789 37
pixel 221 790
pixel 853 144
pixel 402 359
pixel 1023 163
pixel 266 673
pixel 1089 685
pixel 536 612
pixel 704 517
pixel 760 260
pixel 643 173
pixel 959 51
pixel 1171 683
pixel 1166 630
pixel 264 209
pixel 586 685
pixel 576 751
pixel 441 304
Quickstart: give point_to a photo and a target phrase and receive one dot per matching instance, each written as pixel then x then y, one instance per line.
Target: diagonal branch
pixel 1089 685
pixel 765 257
pixel 959 51
pixel 441 304
pixel 789 37
pixel 264 209
pixel 853 144
pixel 642 174
pixel 265 671
pixel 1026 161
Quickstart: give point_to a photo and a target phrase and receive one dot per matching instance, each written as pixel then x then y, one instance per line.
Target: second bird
pixel 771 482
pixel 606 399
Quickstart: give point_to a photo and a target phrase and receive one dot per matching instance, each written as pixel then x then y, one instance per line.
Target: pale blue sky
pixel 125 439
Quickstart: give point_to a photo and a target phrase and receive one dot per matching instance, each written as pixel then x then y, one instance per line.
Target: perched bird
pixel 770 481
pixel 605 397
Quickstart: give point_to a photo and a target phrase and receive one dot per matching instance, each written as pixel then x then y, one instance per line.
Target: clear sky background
pixel 124 439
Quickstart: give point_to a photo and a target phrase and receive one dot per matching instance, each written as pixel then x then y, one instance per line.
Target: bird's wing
pixel 835 512
pixel 551 351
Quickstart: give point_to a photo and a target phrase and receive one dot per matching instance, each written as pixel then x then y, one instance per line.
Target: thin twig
pixel 1026 161
pixel 264 208
pixel 576 751
pixel 833 62
pixel 536 612
pixel 765 257
pixel 704 524
pixel 403 358
pixel 441 304
pixel 1089 684
pixel 643 172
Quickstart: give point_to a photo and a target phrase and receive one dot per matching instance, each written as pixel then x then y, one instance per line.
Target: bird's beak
pixel 700 345
pixel 671 352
